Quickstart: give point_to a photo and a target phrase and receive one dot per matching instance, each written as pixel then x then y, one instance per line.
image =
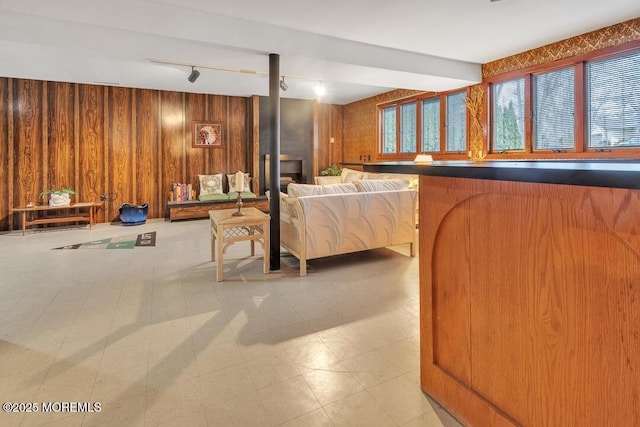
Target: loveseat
pixel 322 220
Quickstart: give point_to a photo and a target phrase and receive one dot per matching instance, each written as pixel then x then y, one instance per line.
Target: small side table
pixel 227 229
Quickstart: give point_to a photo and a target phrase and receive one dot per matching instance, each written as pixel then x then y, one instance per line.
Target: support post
pixel 274 164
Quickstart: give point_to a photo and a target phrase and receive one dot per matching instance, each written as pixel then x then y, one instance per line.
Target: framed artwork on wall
pixel 208 134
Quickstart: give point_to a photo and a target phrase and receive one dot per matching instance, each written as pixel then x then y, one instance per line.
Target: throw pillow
pixel 210 184
pixel 231 179
pixel 366 185
pixel 350 175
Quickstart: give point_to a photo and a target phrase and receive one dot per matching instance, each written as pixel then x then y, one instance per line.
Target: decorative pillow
pixel 231 179
pixel 350 175
pixel 210 184
pixel 212 197
pixel 366 185
pixel 301 190
pixel 324 180
pixel 373 175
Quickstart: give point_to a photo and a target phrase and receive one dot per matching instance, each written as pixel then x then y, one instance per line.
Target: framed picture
pixel 207 134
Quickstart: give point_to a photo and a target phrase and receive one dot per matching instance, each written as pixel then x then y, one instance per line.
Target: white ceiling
pixel 356 48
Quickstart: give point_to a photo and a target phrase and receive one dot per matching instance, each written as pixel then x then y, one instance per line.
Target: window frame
pixel 581 149
pixel 418 99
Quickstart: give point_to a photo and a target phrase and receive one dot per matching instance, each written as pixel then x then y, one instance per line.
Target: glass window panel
pixel 508 115
pixel 456 122
pixel 408 135
pixel 431 125
pixel 389 130
pixel 614 102
pixel 554 106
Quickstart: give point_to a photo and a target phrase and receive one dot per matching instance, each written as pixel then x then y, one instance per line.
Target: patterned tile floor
pixel 149 335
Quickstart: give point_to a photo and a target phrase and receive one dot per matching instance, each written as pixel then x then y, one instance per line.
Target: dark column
pixel 274 163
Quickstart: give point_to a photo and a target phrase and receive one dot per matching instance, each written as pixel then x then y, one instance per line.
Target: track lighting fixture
pixel 194 75
pixel 283 85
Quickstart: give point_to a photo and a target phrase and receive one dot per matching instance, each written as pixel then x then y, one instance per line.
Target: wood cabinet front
pixel 529 302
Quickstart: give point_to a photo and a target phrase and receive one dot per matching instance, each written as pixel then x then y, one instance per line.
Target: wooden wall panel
pixel 217 159
pixel 147 149
pixel 237 149
pixel 6 103
pixel 91 152
pixel 120 148
pixel 171 146
pixel 196 158
pixel 61 153
pixel 28 141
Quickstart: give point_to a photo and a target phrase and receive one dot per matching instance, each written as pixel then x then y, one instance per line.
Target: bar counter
pixel 530 290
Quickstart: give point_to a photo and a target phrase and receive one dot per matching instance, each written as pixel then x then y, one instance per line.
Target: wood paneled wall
pixel 329 126
pixel 131 143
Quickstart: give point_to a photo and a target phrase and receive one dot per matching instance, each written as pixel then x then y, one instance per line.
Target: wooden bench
pixel 197 209
pixel 69 213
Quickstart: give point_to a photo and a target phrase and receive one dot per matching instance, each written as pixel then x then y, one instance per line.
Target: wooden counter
pixel 530 292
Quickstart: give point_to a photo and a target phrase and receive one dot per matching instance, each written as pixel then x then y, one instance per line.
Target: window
pixel 408 135
pixel 554 106
pixel 508 115
pixel 414 125
pixel 613 87
pixel 456 122
pixel 431 125
pixel 389 130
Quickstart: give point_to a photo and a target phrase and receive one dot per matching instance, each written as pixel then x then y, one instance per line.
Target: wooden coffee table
pixel 227 229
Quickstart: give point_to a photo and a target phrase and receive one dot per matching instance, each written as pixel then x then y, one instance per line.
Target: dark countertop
pixel 614 173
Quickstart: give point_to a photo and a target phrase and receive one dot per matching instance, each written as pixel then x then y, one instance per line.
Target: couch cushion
pixel 366 185
pixel 301 190
pixel 210 184
pixel 350 175
pixel 233 195
pixel 212 197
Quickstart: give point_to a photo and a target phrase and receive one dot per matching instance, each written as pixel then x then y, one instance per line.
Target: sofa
pixel 323 220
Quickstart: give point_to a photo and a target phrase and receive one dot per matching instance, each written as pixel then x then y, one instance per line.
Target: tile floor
pixel 150 335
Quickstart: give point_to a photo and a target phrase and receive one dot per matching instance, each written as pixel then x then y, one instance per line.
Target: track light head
pixel 283 85
pixel 194 75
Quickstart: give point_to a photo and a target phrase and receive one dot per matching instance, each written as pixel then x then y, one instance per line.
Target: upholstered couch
pixel 322 220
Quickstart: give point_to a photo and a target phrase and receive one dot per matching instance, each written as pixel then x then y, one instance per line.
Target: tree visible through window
pixel 408 135
pixel 389 130
pixel 508 119
pixel 456 122
pixel 431 125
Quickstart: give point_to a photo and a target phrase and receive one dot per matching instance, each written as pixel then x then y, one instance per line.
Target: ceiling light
pixel 320 90
pixel 194 75
pixel 283 85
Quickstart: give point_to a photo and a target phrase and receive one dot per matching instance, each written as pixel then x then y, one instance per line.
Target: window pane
pixel 508 115
pixel 408 135
pixel 456 122
pixel 553 110
pixel 431 125
pixel 389 130
pixel 614 102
